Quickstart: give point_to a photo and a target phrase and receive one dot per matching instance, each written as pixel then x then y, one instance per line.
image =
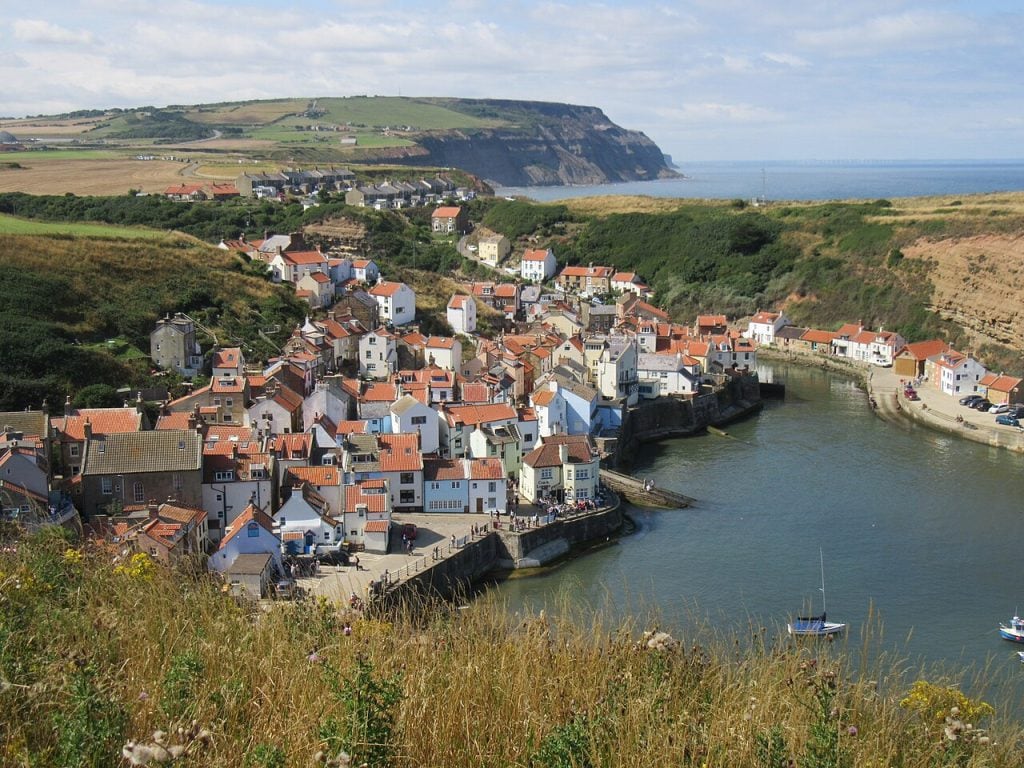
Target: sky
pixel 705 79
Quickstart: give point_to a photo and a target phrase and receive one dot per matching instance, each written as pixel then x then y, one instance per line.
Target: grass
pixel 10 225
pixel 41 155
pixel 139 648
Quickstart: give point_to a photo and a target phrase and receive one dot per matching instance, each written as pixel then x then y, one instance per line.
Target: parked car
pixel 1001 408
pixel 982 405
pixel 970 400
pixel 1017 410
pixel 332 556
pixel 1007 420
pixel 409 531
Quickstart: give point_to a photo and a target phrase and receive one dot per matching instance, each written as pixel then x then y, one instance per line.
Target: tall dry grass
pixel 137 648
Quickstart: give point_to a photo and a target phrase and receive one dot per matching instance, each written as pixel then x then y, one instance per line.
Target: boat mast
pixel 821 556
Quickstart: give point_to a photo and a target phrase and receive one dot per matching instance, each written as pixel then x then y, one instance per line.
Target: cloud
pixel 715 112
pixel 43 32
pixel 911 30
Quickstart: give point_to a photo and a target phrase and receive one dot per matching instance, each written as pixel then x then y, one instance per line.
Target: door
pixel 480 505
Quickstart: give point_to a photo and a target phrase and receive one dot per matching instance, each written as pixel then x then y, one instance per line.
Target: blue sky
pixel 705 79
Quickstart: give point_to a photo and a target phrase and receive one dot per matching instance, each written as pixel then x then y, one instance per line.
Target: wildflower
pixel 143 696
pixel 313 657
pixel 851 731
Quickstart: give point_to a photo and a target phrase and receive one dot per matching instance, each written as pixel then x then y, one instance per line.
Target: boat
pixel 816 626
pixel 1014 631
pixel 1021 654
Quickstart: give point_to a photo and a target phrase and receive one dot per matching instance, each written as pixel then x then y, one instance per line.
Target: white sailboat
pixel 816 626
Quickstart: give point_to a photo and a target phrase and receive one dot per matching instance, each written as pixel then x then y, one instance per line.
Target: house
pixel 763 327
pixel 185 193
pixel 410 416
pixel 396 302
pixel 133 467
pixel 875 347
pixel 1001 389
pixel 537 265
pixel 443 352
pixel 251 535
pixel 236 472
pixel 707 325
pixel 460 420
pixel 563 405
pixel 368 514
pixel 374 405
pixel 662 375
pixel 493 249
pixel 173 345
pixel 449 219
pixel 464 485
pixel 228 363
pixel 326 480
pixel 629 282
pixel 24 487
pixel 277 411
pixel 562 468
pixel 70 431
pixel 292 266
pixel 615 370
pixel 173 532
pixel 816 341
pixel 954 373
pixel 378 354
pixel 461 314
pixel 305 521
pixel 319 289
pixel 365 271
pixel 587 281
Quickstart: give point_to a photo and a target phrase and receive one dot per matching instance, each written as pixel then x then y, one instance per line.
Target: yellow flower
pixel 139 567
pixel 73 556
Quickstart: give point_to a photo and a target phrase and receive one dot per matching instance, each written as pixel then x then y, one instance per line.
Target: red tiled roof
pixel 386 289
pixel 480 414
pixel 177 420
pixel 817 336
pixel 486 469
pixel 458 300
pixel 443 469
pixel 375 502
pixel 922 350
pixel 1003 383
pixel 547 454
pixel 103 421
pixel 303 257
pixel 249 514
pixel 313 475
pixel 376 526
pixel 229 357
pixel 400 453
pixel 535 255
pixel 446 212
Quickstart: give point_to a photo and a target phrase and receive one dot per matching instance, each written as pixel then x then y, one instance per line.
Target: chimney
pixel 563 453
pixel 154 508
pixel 139 404
pixel 67 406
pixel 87 428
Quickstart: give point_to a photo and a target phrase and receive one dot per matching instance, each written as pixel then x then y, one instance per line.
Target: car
pixel 471 248
pixel 982 405
pixel 409 531
pixel 335 556
pixel 970 400
pixel 1000 408
pixel 1007 420
pixel 1017 411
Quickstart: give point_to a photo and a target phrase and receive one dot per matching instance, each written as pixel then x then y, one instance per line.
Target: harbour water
pixel 924 529
pixel 831 180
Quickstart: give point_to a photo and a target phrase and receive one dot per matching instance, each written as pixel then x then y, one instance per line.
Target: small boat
pixel 815 626
pixel 1021 654
pixel 1014 631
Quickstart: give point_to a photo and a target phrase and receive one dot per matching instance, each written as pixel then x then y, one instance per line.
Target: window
pixel 327 535
pixel 216 401
pixel 418 420
pixel 138 493
pixel 582 474
pixel 106 486
pixel 407 497
pixel 229 402
pixel 545 474
pixel 455 484
pixel 405 478
pixel 177 482
pixel 252 530
pixel 369 354
pixel 372 340
pixel 361 511
pixel 491 486
pixel 528 437
pixel 225 476
pixel 74 449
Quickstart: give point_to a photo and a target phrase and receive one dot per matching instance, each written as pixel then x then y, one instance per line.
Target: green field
pixel 42 155
pixel 11 225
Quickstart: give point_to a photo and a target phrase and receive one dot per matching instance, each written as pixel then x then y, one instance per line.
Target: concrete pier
pixel 636 491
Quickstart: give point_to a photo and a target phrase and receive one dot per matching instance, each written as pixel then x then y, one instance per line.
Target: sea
pixel 808 180
pixel 921 534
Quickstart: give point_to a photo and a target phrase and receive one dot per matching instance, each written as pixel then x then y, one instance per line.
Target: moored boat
pixel 1014 631
pixel 814 626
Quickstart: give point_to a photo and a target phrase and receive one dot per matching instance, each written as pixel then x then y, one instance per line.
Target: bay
pixel 808 180
pixel 921 529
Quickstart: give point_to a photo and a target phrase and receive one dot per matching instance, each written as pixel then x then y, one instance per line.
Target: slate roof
pixel 166 450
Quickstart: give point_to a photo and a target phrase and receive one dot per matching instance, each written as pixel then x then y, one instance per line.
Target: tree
pixel 97 396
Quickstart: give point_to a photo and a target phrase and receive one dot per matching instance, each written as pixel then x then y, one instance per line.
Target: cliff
pixel 548 144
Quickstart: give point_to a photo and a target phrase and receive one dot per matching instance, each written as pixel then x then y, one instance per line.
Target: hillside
pixel 84 670
pixel 77 311
pixel 507 142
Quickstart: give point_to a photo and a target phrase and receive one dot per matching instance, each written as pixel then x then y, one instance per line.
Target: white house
pixel 764 325
pixel 292 266
pixel 444 352
pixel 396 302
pixel 316 288
pixel 232 481
pixel 462 314
pixel 305 522
pixel 488 488
pixel 616 371
pixel 955 373
pixel 252 533
pixel 875 347
pixel 464 485
pixel 378 354
pixel 538 265
pixel 561 468
pixel 365 271
pixel 668 374
pixel 410 416
pixel 629 282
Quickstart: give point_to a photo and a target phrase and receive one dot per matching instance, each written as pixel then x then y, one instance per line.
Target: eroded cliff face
pixel 553 144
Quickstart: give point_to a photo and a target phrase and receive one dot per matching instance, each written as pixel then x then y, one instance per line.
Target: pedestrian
pixel 358 567
pixel 453 539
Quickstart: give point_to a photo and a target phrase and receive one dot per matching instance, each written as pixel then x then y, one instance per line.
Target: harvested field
pixel 91 177
pixel 28 128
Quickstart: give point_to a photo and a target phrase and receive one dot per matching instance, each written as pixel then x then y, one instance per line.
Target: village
pixel 317 455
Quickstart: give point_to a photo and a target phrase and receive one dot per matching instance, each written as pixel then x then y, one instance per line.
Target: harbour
pixel 918 528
